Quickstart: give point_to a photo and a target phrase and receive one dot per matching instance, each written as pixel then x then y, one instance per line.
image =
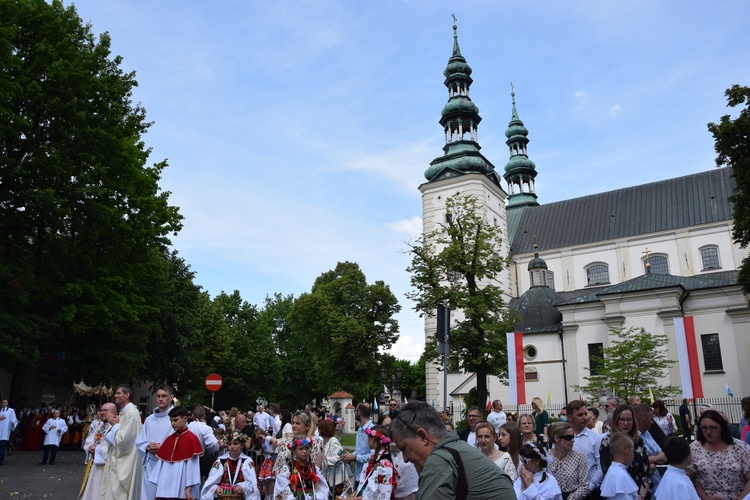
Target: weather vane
pixel 454 18
pixel 512 88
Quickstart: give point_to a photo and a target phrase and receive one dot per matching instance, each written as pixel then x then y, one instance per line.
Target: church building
pixel 638 257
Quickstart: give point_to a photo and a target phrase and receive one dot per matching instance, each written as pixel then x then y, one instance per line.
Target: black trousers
pixel 50 451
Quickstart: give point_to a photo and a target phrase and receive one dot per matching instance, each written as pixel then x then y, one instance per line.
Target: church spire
pixel 520 172
pixel 460 119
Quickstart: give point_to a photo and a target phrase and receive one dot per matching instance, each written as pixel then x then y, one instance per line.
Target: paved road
pixel 22 477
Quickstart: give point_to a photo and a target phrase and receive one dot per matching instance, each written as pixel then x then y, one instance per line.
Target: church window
pixel 597 274
pixel 596 352
pixel 710 258
pixel 712 352
pixel 530 374
pixel 530 352
pixel 550 279
pixel 659 264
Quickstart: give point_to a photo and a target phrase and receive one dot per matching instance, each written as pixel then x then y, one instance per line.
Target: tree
pixel 732 146
pixel 632 365
pixel 294 386
pixel 84 225
pixel 457 265
pixel 347 325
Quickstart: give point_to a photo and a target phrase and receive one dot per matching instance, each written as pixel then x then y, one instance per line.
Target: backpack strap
pixel 462 488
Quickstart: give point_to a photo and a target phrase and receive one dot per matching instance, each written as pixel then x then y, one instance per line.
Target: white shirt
pixel 547 490
pixel 618 484
pixel 205 435
pixel 587 442
pixel 675 484
pixel 472 438
pixel 497 419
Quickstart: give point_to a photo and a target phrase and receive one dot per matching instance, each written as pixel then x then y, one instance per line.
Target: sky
pixel 298 133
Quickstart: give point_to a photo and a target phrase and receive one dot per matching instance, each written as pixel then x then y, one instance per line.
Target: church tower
pixel 461 169
pixel 520 172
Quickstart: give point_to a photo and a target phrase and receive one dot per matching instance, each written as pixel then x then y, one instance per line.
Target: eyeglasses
pixel 625 420
pixel 709 428
pixel 475 416
pixel 392 405
pixel 569 437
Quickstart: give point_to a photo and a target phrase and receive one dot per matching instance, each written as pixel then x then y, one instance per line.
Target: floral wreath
pixel 234 436
pixel 296 443
pixel 378 436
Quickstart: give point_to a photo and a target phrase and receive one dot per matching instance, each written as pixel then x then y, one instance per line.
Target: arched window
pixel 530 374
pixel 710 257
pixel 597 274
pixel 659 264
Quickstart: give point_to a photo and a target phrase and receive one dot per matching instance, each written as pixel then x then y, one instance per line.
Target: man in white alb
pixel 8 423
pixel 155 430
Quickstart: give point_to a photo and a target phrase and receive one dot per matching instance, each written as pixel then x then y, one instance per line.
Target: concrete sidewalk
pixel 22 477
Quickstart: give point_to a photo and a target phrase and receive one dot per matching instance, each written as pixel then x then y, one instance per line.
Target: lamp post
pixel 260 401
pixel 392 379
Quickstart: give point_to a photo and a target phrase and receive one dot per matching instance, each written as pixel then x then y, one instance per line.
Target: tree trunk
pixel 15 398
pixel 482 390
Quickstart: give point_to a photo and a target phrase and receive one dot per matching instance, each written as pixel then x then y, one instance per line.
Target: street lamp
pixel 261 401
pixel 392 379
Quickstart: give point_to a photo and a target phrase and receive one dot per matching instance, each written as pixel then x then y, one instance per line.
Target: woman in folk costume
pixel 300 478
pixel 378 480
pixel 232 472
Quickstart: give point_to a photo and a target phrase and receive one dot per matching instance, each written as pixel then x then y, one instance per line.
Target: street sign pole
pixel 213 384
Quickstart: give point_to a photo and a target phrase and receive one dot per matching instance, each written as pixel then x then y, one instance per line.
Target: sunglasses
pixel 569 437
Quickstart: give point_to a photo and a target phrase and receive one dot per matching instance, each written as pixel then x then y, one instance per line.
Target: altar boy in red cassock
pixel 178 473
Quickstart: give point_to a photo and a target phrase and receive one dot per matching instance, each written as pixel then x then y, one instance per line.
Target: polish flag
pixel 687 355
pixel 516 383
pixel 489 403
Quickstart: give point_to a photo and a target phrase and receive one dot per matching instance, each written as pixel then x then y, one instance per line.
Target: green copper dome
pixel 457 68
pixel 459 104
pixel 519 163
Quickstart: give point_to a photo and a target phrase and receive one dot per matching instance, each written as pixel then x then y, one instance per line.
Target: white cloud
pixel 579 94
pixel 615 110
pixel 411 227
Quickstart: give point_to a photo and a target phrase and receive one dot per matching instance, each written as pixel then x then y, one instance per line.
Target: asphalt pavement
pixel 21 476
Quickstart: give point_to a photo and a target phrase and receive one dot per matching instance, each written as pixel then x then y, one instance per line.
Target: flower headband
pixel 296 443
pixel 378 436
pixel 234 436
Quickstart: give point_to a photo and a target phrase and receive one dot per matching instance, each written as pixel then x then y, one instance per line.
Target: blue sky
pixel 298 132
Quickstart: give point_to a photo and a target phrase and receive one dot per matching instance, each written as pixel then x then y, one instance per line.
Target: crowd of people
pixel 629 451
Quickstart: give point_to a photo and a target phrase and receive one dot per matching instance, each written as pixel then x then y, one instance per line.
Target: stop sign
pixel 213 382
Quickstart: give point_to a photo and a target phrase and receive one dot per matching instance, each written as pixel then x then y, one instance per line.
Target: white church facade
pixel 579 266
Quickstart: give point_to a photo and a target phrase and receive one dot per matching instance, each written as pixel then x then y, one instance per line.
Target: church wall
pixel 434 195
pixel 625 257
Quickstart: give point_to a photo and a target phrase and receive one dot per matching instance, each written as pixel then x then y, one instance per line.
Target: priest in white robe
pixel 155 430
pixel 8 423
pixel 54 429
pixel 122 472
pixel 98 448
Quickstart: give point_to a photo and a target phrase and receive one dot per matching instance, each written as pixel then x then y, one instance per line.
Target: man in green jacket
pixel 419 432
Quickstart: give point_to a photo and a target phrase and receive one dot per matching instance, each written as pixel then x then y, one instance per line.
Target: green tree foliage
pixel 83 223
pixel 294 386
pixel 347 324
pixel 732 146
pixel 247 365
pixel 632 364
pixel 457 265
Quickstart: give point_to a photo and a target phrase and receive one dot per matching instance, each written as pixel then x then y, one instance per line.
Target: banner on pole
pixel 516 382
pixel 687 355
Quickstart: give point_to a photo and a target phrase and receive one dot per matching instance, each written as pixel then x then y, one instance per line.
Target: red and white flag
pixel 687 355
pixel 516 383
pixel 489 403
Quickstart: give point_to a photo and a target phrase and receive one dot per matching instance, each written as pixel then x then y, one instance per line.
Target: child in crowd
pixel 177 475
pixel 676 483
pixel 377 481
pixel 233 472
pixel 533 482
pixel 300 478
pixel 617 484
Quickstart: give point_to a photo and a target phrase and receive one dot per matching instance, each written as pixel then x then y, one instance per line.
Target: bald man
pixel 98 448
